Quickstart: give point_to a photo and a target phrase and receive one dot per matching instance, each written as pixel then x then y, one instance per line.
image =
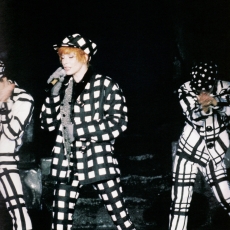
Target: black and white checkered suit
pixel 15 114
pixel 99 115
pixel 202 146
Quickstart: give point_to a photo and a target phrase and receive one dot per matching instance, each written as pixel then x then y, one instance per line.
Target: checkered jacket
pixel 15 114
pixel 205 135
pixel 99 116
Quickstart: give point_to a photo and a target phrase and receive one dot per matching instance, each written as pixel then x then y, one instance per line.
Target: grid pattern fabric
pixel 2 69
pixel 15 115
pixel 184 175
pixel 65 198
pixel 205 135
pixel 99 116
pixel 11 190
pixel 111 194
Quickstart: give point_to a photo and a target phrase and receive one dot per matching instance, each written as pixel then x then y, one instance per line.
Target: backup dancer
pixel 203 143
pixel 16 107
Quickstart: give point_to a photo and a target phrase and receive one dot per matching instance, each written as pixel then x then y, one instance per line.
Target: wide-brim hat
pixel 2 69
pixel 77 41
pixel 204 75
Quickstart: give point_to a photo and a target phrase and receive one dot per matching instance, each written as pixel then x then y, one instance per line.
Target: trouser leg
pixel 184 175
pixel 65 197
pixel 216 176
pixel 11 189
pixel 111 194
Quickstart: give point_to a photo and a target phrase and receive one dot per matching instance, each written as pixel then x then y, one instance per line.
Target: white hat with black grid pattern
pixel 77 41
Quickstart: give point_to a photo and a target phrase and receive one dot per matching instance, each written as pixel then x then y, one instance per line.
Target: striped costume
pixel 15 114
pixel 99 115
pixel 201 147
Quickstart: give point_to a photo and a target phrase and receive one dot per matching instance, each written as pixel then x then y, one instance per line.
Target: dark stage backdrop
pixel 147 46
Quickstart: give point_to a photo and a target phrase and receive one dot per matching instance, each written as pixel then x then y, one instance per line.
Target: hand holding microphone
pixel 55 81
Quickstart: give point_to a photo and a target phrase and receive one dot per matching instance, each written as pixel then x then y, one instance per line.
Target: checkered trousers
pixel 11 189
pixel 184 175
pixel 205 135
pixel 111 194
pixel 99 116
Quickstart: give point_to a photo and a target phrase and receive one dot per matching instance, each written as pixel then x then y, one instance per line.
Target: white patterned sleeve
pixel 190 106
pixel 16 115
pixel 223 99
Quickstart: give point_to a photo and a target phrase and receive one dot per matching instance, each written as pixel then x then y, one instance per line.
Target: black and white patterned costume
pixel 201 147
pixel 15 114
pixel 99 115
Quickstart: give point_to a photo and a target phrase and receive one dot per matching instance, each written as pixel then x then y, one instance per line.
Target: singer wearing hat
pixel 16 108
pixel 203 143
pixel 89 112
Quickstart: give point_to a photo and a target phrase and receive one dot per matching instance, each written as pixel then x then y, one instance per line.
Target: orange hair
pixel 80 54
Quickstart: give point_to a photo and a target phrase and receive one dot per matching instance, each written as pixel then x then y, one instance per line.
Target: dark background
pixel 146 46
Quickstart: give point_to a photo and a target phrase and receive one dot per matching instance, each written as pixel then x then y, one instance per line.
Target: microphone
pixel 58 75
pixel 51 84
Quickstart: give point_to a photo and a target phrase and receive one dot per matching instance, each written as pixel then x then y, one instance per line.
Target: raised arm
pixel 15 115
pixel 190 105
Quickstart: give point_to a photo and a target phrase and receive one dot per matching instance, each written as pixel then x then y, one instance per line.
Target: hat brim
pixel 56 46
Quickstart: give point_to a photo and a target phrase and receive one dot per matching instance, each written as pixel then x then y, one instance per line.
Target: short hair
pixel 80 54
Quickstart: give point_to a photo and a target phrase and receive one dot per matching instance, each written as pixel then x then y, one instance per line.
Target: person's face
pixel 71 64
pixel 205 91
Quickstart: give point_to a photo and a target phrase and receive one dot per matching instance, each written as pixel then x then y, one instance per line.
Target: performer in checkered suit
pixel 89 112
pixel 204 141
pixel 16 107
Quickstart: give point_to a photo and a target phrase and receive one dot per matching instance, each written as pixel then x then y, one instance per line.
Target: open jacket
pixel 205 135
pixel 15 115
pixel 99 116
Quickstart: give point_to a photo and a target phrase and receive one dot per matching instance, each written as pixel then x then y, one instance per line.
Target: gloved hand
pixel 60 75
